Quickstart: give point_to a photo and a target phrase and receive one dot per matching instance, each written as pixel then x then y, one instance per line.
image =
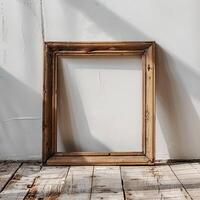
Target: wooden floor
pixel 31 181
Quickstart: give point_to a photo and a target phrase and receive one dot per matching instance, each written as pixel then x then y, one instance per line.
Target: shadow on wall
pixel 77 124
pixel 177 83
pixel 177 86
pixel 107 20
pixel 20 73
pixel 67 125
pixel 20 112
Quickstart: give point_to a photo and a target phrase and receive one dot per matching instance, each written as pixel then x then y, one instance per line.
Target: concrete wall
pixel 173 24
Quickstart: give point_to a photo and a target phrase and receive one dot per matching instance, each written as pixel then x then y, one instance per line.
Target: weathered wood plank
pixel 169 185
pixel 139 182
pixel 189 175
pixel 195 191
pixel 107 183
pixel 7 170
pixel 18 187
pixel 49 184
pixel 78 184
pixel 179 181
pixel 196 166
pixel 156 182
pixel 97 160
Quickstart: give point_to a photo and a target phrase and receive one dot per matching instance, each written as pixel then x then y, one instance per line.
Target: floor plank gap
pixel 29 181
pixel 180 182
pixel 122 182
pixel 11 177
pixel 21 182
pixel 91 183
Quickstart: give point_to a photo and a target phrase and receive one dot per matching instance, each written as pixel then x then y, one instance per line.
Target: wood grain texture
pixel 152 183
pixel 189 176
pixel 18 187
pixel 52 52
pixel 47 106
pixel 149 116
pixel 139 182
pixel 82 153
pixel 78 184
pixel 49 183
pixel 103 45
pixel 97 160
pixel 175 182
pixel 7 170
pixel 169 185
pixel 107 183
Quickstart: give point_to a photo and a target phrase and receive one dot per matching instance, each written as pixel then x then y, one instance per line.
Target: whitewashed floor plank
pixel 18 187
pixel 189 175
pixel 139 182
pixel 49 184
pixel 107 183
pixel 175 182
pixel 6 172
pixel 169 185
pixel 78 184
pixel 151 182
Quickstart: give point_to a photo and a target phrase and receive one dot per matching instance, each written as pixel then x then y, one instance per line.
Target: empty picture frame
pixel 55 50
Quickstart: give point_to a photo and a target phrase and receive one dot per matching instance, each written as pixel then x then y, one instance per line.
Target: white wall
pixel 20 79
pixel 173 24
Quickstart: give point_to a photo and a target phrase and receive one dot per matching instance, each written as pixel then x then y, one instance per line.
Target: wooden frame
pixel 54 50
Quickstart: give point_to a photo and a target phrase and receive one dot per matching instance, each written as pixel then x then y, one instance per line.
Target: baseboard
pixel 171 161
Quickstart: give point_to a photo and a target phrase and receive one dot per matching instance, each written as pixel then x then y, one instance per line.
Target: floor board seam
pixel 32 185
pixel 124 193
pixel 65 180
pixel 10 179
pixel 90 197
pixel 180 182
pixel 122 183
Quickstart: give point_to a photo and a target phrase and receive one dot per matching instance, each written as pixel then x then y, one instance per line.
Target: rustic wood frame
pixel 54 50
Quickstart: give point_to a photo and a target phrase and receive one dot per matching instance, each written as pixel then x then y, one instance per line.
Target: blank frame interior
pixel 99 104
